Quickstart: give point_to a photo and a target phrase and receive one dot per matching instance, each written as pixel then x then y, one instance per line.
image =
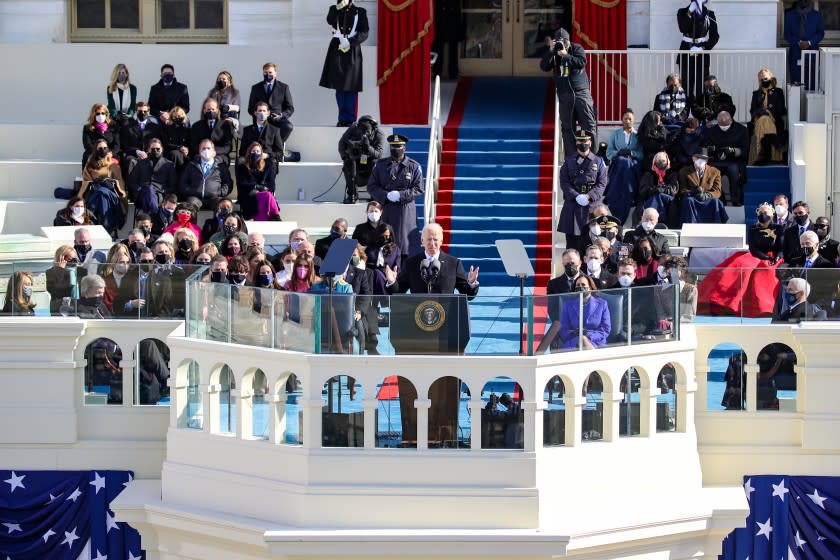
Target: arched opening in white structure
pixel 152 372
pixel 592 424
pixel 666 399
pixel 227 402
pixel 103 373
pixel 288 412
pixel 396 418
pixel 193 413
pixel 259 405
pixel 449 414
pixel 630 408
pixel 502 417
pixel 554 413
pixel 342 413
pixel 726 380
pixel 776 378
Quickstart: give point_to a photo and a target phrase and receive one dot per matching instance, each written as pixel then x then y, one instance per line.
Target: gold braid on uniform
pixel 413 44
pixel 592 45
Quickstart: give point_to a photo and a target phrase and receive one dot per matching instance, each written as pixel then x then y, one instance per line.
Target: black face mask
pixel 397 152
pixel 237 278
pixel 571 269
pixel 610 234
pixel 185 246
pixel 661 165
pixel 155 154
pixel 101 152
pixel 135 247
pixel 82 249
pixel 583 147
pixel 217 276
pixel 229 229
pixel 161 259
pixel 807 251
pixel 141 117
pixel 178 120
pixel 220 84
pixel 801 220
pixel 765 83
pixel 335 233
pixel 822 232
pixel 210 115
pixel 646 254
pixel 94 301
pixel 763 219
pixel 224 212
pixel 712 90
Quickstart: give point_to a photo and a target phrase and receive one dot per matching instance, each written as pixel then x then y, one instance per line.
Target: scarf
pixel 101 127
pixel 660 174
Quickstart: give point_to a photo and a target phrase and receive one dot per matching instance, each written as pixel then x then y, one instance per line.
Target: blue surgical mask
pixel 790 298
pixel 168 78
pixel 265 279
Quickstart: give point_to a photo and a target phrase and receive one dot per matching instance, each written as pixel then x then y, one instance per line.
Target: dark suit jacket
pixel 133 139
pixel 163 98
pixel 280 100
pixel 221 135
pixel 269 139
pixel 158 296
pixel 819 262
pixel 452 277
pixel 605 280
pixel 829 249
pixel 558 285
pixel 790 243
pixel 323 245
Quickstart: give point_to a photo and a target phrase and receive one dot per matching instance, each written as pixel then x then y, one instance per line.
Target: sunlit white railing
pixel 433 163
pixel 634 77
pixel 810 64
pixel 555 181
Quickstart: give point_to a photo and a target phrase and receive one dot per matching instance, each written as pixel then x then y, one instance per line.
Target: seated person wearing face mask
pixel 585 328
pixel 165 215
pixel 151 178
pixel 213 224
pixel 147 293
pixel 745 284
pixel 176 139
pixel 795 306
pixel 706 107
pixel 672 103
pixel 338 231
pixel 214 128
pixel 658 187
pixel 686 143
pixel 206 178
pixel 135 134
pixel 729 144
pixel 596 268
pixel 700 191
pixel 829 248
pixel 647 228
pixel 184 213
pixel 263 132
pixel 91 303
pixel 563 284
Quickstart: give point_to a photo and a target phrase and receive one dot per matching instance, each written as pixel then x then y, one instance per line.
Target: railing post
pixel 276 417
pixel 245 422
pixel 311 426
pixel 210 396
pixel 369 406
pixel 129 374
pixel 574 419
pixel 752 392
pixel 611 414
pixel 422 406
pixel 533 429
pixel 476 406
pixel 647 410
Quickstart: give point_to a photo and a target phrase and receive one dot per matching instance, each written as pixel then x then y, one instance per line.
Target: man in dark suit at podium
pixel 433 271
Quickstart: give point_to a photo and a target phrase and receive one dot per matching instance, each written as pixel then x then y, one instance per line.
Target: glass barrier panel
pixel 449 425
pixel 195 402
pixel 726 380
pixel 291 388
pixel 629 409
pixel 776 378
pixel 260 416
pixel 342 414
pixel 251 314
pixel 227 402
pixel 294 324
pixel 554 414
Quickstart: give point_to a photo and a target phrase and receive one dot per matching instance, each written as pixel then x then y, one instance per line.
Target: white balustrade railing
pixel 433 163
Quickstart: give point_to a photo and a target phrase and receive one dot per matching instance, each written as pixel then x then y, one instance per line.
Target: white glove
pixel 343 43
pixel 582 199
pixel 394 196
pixel 695 48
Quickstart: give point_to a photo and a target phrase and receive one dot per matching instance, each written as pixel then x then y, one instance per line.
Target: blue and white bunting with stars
pixel 64 515
pixel 790 517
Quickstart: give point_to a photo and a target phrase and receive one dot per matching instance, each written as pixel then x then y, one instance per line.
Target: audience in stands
pixel 74 214
pixel 303 275
pixel 100 126
pixel 563 284
pixel 647 259
pixel 62 276
pixel 700 191
pixel 19 294
pixel 728 144
pixel 152 178
pixel 147 293
pixel 688 291
pixel 647 228
pixel 213 224
pixel 657 189
pixel 279 99
pixel 796 306
pixel 337 231
pixel 206 178
pixel 165 215
pixel 186 244
pixel 589 327
pixel 119 261
pixel 829 248
pixel 801 223
pixel 176 139
pixel 599 220
pixel 121 93
pixel 135 134
pixel 653 136
pixel 185 215
pixel 91 298
pixel 256 239
pixel 254 179
pixel 809 255
pixel 219 269
pixel 226 96
pixel 231 246
pixel 367 232
pixel 233 225
pixel 767 109
pixel 263 132
pixel 211 126
pixel 707 107
pixel 686 143
pixel 624 153
pixel 103 188
pixel 167 94
pixel 596 269
pixel 781 205
pixel 285 263
pixel 672 103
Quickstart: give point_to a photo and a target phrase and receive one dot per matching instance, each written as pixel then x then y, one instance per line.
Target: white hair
pixel 800 285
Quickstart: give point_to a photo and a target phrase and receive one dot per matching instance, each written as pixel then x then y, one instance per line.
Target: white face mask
pixel 287 266
pixel 120 268
pixel 261 116
pixel 595 229
pixel 648 226
pixel 374 216
pixel 724 127
pixel 206 154
pixel 625 281
pixel 780 210
pixel 593 266
pixel 100 118
pixel 700 163
pixel 661 271
pixel 78 212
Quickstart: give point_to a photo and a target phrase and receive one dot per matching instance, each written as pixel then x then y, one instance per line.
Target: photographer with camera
pixel 583 180
pixel 567 62
pixel 360 147
pixel 729 145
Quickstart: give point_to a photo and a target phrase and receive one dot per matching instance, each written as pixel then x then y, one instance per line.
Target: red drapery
pixel 405 30
pixel 602 25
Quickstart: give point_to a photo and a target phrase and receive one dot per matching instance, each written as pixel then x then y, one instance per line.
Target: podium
pixel 429 324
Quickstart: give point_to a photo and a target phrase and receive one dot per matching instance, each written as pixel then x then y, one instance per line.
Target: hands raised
pixel 472 277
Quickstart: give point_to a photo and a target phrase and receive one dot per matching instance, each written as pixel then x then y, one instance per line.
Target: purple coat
pixel 576 176
pixel 596 322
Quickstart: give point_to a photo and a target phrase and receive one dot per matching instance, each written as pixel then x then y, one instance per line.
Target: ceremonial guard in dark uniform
pixel 343 64
pixel 395 183
pixel 699 33
pixel 583 180
pixel 360 147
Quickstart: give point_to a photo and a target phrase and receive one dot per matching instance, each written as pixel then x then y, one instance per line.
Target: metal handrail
pixel 433 163
pixel 555 182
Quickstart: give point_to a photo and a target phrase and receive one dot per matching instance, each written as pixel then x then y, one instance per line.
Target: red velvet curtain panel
pixel 405 29
pixel 602 25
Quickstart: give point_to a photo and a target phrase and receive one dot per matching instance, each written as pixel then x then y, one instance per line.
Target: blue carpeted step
pixel 518 210
pixel 502 144
pixel 488 237
pixel 505 157
pixel 480 133
pixel 493 197
pixel 778 172
pixel 498 169
pixel 494 223
pixel 484 250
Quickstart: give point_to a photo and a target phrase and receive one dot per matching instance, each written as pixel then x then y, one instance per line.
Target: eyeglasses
pixel 97 114
pixel 820 226
pixel 146 261
pixel 202 262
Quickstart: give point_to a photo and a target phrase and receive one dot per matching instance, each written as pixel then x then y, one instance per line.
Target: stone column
pixel 476 406
pixel 574 419
pixel 369 406
pixel 752 386
pixel 210 406
pixel 422 406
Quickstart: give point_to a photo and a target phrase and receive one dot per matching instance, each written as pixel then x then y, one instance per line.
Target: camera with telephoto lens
pixel 226 112
pixel 561 45
pixel 358 148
